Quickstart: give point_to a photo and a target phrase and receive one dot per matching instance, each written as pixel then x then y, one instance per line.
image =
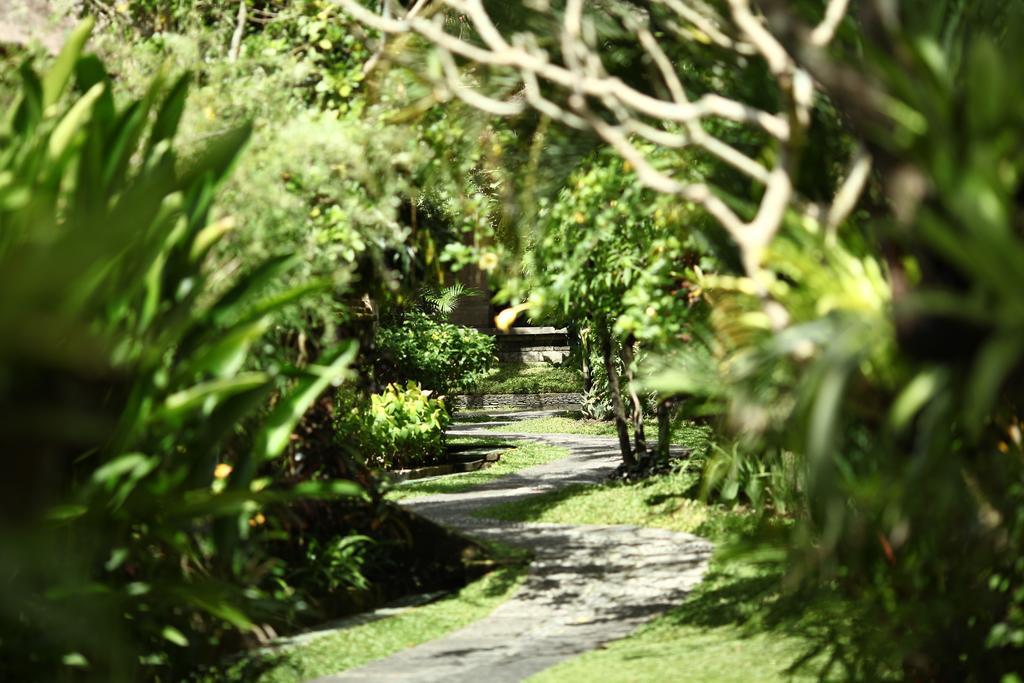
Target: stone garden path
pixel 587 585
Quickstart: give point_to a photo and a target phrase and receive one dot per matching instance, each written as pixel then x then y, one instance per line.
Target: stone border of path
pixel 412 473
pixel 587 585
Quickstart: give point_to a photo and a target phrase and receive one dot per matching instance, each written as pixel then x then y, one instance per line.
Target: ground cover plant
pixel 442 357
pixel 515 378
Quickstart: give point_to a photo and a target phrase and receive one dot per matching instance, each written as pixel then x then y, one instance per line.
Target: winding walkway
pixel 587 584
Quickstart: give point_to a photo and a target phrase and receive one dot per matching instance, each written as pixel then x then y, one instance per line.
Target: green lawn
pixel 512 460
pixel 685 433
pixel 351 647
pixel 737 626
pixel 517 378
pixel 725 632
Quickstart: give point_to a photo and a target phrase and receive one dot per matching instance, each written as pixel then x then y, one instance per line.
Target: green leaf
pixel 217 156
pixel 179 404
pixel 994 362
pixel 113 470
pixel 175 636
pixel 90 71
pixel 63 134
pixel 915 396
pixel 27 112
pixel 64 513
pixel 76 660
pixel 169 115
pixel 281 421
pixel 328 489
pixel 240 295
pixel 59 75
pixel 122 474
pixel 225 356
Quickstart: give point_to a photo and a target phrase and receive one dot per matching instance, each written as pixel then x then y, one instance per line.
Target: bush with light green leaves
pixel 133 428
pixel 399 427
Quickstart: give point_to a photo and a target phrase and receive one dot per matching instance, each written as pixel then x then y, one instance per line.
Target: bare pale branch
pixel 824 32
pixel 569 89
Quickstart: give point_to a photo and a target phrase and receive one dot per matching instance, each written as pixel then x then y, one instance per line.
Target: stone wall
pixel 532 345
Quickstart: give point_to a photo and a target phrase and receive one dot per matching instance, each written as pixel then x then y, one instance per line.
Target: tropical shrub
pixel 130 544
pixel 440 356
pixel 399 427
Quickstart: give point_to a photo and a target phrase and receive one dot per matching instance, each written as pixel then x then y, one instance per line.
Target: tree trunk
pixel 664 427
pixel 588 374
pixel 640 452
pixel 616 396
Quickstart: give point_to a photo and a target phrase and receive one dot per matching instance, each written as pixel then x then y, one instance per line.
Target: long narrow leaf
pixel 274 437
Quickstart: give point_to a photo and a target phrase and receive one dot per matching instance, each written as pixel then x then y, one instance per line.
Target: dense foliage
pixel 440 356
pixel 865 367
pixel 862 375
pixel 158 349
pixel 126 534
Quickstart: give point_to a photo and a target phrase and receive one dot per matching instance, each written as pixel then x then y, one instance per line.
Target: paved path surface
pixel 586 586
pixel 22 21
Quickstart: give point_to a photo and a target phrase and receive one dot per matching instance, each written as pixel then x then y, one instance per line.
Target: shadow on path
pixel 587 584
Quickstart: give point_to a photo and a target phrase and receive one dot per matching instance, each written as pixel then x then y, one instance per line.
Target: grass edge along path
pixel 697 438
pixel 736 626
pixel 519 455
pixel 346 648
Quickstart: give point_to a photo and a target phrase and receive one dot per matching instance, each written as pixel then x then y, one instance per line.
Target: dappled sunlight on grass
pixel 690 435
pixel 737 626
pixel 656 503
pixel 351 647
pixel 520 457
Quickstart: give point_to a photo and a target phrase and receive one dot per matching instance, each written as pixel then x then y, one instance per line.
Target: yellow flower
pixel 488 261
pixel 222 471
pixel 579 217
pixel 626 166
pixel 504 320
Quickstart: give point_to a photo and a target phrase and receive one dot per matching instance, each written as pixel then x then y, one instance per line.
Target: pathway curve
pixel 587 584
